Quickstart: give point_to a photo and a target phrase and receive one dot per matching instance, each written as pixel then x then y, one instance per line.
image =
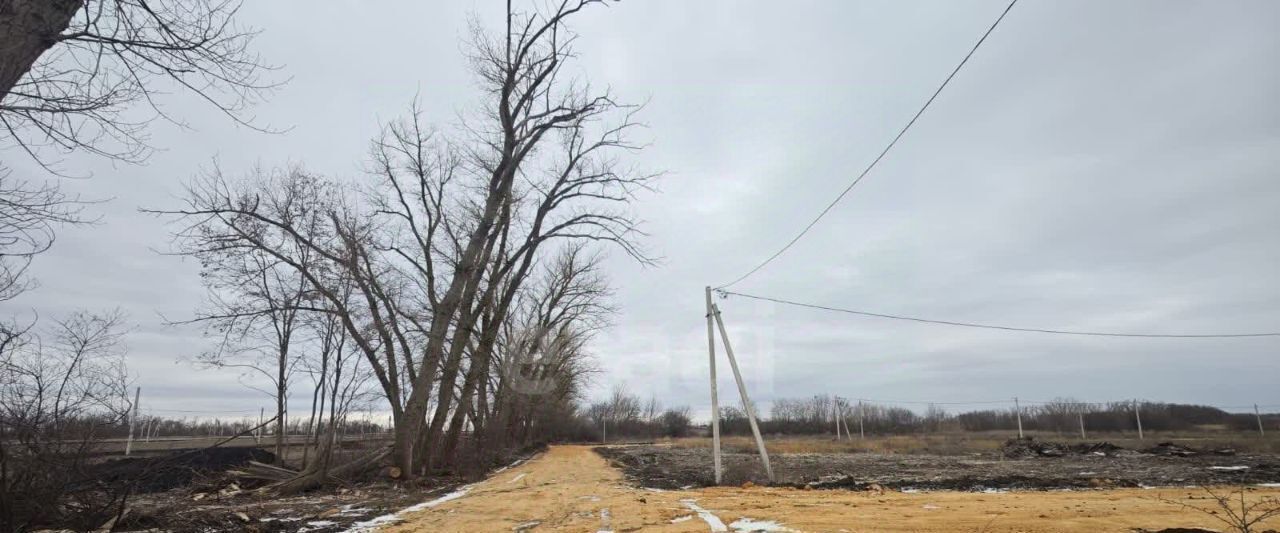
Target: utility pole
pixel 1017 410
pixel 1080 415
pixel 715 400
pixel 1258 416
pixel 1138 416
pixel 133 420
pixel 261 411
pixel 835 415
pixel 862 433
pixel 742 390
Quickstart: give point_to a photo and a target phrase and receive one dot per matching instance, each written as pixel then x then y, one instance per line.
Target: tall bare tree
pixel 255 301
pixel 454 226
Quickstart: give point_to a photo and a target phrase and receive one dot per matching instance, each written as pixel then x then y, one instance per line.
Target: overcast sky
pixel 1097 165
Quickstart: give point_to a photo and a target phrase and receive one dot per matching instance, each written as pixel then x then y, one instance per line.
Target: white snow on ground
pixel 1229 467
pixel 519 477
pixel 684 518
pixel 604 522
pixel 1269 485
pixel 706 516
pixel 747 524
pixel 388 519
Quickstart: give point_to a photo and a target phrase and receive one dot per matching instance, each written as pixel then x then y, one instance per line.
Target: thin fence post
pixel 1137 415
pixel 1017 411
pixel 133 420
pixel 715 400
pixel 258 438
pixel 1080 415
pixel 1258 415
pixel 742 390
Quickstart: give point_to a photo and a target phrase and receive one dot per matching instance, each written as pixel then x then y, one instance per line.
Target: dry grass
pixel 966 443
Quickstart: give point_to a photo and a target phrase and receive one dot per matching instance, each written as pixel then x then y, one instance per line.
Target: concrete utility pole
pixel 1017 410
pixel 1138 416
pixel 715 400
pixel 133 420
pixel 742 390
pixel 1258 416
pixel 862 433
pixel 835 415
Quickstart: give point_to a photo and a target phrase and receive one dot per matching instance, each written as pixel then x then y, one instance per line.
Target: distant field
pixel 969 443
pixel 163 445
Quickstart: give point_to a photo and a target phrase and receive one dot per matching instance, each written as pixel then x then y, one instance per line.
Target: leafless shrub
pixel 1233 508
pixel 58 391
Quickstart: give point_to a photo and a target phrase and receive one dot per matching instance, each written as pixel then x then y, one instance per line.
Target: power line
pixel 890 146
pixel 1005 328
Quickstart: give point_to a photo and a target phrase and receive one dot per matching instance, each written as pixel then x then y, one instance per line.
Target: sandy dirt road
pixel 571 488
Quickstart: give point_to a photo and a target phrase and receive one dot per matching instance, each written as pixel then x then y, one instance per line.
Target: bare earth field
pixel 670 467
pixel 571 488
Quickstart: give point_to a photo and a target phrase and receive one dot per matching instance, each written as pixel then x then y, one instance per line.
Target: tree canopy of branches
pixel 472 292
pixel 71 69
pixel 71 74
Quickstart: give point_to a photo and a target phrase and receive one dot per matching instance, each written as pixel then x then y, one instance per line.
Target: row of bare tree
pixel 462 270
pixel 816 415
pixel 457 281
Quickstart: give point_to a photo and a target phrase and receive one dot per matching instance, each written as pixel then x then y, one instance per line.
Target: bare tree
pixel 455 227
pixel 255 301
pixel 59 391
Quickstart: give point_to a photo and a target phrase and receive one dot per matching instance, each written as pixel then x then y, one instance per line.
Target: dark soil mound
pixel 155 474
pixel 1030 447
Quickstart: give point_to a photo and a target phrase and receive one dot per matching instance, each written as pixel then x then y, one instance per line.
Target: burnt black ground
pixel 672 467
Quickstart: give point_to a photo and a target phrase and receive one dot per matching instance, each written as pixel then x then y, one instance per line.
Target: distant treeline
pixel 817 415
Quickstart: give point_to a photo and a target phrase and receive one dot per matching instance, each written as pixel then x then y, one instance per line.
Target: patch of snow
pixel 518 478
pixel 684 518
pixel 316 525
pixel 706 516
pixel 1269 485
pixel 993 491
pixel 604 522
pixel 651 489
pixel 909 491
pixel 1231 468
pixel 748 525
pixel 512 465
pixel 388 519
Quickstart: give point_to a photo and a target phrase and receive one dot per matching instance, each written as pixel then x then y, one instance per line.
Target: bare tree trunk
pixel 27 29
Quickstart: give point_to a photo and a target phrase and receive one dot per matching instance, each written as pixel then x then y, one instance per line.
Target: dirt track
pixel 571 488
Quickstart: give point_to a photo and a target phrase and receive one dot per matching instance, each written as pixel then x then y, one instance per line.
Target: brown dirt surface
pixel 570 488
pixel 675 467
